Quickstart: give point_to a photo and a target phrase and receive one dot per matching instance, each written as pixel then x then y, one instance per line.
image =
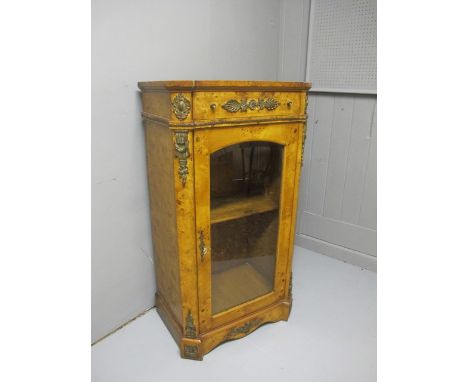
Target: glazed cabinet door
pixel 244 190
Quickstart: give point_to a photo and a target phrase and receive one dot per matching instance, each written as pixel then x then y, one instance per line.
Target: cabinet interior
pixel 245 185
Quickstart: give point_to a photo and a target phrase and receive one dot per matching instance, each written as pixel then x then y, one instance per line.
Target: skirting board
pixel 338 252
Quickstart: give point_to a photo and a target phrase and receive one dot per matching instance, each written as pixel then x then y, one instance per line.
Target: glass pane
pixel 245 186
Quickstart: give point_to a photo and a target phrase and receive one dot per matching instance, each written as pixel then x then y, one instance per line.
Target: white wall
pixel 337 213
pixel 161 40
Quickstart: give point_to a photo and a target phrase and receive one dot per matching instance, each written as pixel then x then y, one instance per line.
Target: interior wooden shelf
pixel 235 208
pixel 236 286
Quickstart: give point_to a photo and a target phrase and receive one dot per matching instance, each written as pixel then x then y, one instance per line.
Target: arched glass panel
pixel 245 185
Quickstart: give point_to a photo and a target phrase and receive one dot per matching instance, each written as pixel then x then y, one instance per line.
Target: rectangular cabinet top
pixel 222 85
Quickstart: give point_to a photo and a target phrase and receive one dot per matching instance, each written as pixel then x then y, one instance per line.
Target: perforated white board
pixel 343 45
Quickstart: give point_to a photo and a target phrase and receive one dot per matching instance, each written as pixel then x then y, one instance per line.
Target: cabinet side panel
pixel 160 156
pixel 157 103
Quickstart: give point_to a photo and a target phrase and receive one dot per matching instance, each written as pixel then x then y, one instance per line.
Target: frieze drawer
pixel 246 105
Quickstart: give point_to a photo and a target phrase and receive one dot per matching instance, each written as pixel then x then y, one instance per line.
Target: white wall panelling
pixel 343 45
pixel 337 210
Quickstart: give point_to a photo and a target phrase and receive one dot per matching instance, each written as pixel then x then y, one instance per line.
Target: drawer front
pixel 240 105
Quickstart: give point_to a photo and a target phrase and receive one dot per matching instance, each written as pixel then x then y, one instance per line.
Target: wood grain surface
pixel 182 217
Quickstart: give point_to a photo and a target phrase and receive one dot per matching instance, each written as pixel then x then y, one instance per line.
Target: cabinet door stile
pixel 202 202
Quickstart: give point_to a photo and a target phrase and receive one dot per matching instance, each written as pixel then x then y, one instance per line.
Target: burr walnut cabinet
pixel 224 161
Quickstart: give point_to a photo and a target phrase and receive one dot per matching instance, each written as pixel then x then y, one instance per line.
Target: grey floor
pixel 330 336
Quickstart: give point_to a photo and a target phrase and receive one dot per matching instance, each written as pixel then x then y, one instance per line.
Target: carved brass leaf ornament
pixel 181 106
pixel 269 104
pixel 182 153
pixel 233 106
pixel 190 331
pixel 244 329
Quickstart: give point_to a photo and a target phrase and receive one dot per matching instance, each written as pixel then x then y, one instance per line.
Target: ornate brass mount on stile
pixel 233 106
pixel 190 351
pixel 182 153
pixel 304 130
pixel 202 246
pixel 190 330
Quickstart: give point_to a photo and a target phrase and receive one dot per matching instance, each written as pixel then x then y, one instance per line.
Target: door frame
pixel 208 141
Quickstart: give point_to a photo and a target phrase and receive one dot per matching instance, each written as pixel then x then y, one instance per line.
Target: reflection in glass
pixel 245 184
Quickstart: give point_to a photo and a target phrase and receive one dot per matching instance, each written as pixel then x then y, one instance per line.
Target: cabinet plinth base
pixel 196 348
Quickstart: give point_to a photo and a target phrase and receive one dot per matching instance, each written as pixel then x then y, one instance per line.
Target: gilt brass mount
pixel 244 329
pixel 233 106
pixel 190 351
pixel 190 330
pixel 304 130
pixel 181 106
pixel 182 153
pixel 202 247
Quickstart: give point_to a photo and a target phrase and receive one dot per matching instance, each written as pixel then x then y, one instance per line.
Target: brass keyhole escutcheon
pixel 213 107
pixel 202 247
pixel 289 103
